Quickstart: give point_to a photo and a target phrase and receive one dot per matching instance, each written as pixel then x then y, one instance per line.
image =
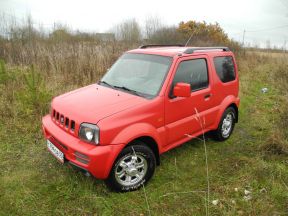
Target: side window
pixel 225 68
pixel 193 72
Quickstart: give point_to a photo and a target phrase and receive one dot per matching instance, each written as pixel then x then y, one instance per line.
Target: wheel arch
pixel 230 101
pixel 144 133
pixel 235 107
pixel 150 142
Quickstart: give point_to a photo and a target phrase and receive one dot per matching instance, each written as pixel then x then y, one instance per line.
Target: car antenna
pixel 192 34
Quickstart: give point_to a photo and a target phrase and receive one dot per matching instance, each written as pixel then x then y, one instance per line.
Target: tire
pixel 226 125
pixel 134 166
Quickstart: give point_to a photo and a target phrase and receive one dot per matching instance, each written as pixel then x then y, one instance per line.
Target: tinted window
pixel 225 68
pixel 193 72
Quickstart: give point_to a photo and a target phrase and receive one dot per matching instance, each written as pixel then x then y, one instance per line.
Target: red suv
pixel 151 100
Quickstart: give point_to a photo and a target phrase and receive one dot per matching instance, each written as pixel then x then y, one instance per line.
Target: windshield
pixel 138 73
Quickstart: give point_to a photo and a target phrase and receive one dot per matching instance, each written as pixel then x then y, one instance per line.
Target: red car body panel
pixel 101 158
pixel 94 102
pixel 123 117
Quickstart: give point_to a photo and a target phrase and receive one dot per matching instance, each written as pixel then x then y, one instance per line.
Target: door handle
pixel 207 96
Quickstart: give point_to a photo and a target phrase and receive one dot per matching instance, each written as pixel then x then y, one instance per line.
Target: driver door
pixel 182 113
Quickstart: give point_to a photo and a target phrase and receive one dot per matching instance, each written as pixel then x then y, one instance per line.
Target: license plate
pixel 55 151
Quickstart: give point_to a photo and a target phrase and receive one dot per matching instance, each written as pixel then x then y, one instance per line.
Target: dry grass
pixel 275 144
pixel 270 54
pixel 76 62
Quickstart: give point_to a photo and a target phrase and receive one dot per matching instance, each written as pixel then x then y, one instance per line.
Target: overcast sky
pixel 262 19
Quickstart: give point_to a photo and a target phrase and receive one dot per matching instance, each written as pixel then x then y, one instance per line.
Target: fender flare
pixel 134 131
pixel 228 101
pixel 126 136
pixel 140 131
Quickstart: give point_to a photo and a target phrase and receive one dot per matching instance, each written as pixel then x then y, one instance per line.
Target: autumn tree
pixel 202 33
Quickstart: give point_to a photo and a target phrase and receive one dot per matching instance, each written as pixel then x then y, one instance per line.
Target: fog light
pixel 82 158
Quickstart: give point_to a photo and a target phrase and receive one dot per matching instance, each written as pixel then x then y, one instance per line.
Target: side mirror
pixel 182 90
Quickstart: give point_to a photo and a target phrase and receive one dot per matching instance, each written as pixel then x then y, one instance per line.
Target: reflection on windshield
pixel 139 73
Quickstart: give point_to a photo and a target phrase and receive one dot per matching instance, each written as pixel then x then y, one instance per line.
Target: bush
pixel 203 34
pixel 166 35
pixel 34 97
pixel 275 145
pixel 3 72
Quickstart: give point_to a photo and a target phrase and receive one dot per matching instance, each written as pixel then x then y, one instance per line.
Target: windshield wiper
pixel 104 82
pixel 128 89
pixel 121 87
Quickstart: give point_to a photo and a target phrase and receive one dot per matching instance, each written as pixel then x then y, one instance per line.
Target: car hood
pixel 93 103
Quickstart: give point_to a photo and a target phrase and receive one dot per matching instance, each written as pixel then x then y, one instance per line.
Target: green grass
pixel 32 182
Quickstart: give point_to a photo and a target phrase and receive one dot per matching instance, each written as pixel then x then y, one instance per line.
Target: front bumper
pixel 97 160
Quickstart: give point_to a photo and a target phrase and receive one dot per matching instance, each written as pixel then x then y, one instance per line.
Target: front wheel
pixel 226 125
pixel 134 166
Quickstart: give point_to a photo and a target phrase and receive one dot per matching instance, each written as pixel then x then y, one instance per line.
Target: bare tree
pixel 128 30
pixel 167 35
pixel 268 45
pixel 284 45
pixel 152 24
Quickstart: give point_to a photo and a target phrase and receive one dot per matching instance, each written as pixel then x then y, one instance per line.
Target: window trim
pixel 170 95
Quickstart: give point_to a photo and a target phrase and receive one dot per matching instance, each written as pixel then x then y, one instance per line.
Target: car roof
pixel 177 50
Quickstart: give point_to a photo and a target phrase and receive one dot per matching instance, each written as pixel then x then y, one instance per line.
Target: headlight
pixel 89 133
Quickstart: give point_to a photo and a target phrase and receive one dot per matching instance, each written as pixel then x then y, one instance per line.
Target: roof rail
pixel 160 45
pixel 191 50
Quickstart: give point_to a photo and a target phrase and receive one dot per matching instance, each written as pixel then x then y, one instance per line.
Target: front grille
pixel 63 121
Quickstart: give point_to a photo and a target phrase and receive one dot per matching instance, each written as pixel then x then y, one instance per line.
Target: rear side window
pixel 193 72
pixel 225 68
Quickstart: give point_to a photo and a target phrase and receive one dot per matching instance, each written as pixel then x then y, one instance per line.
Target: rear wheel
pixel 134 166
pixel 226 125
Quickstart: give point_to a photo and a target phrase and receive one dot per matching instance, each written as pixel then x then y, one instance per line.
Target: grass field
pixel 255 158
